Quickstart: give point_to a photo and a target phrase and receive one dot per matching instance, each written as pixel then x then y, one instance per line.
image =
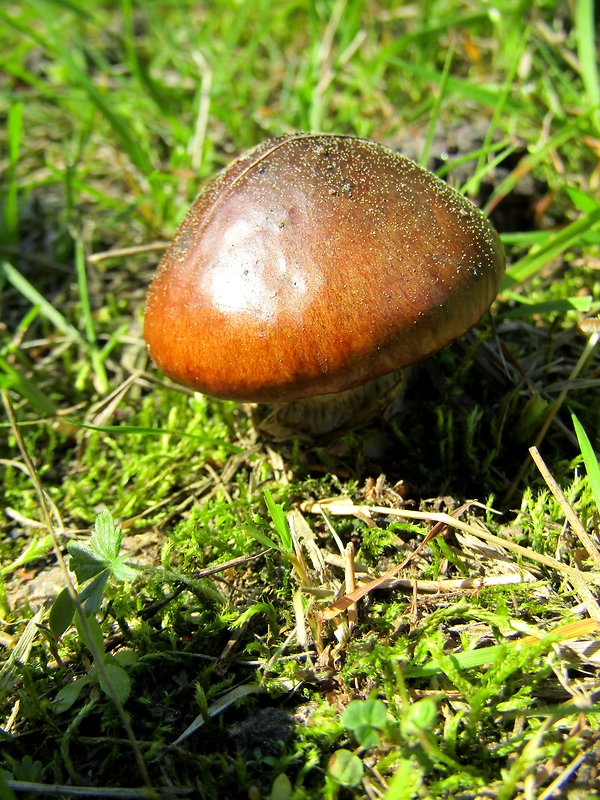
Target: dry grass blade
pixel 123 252
pixel 19 654
pixel 344 506
pixel 556 788
pixel 586 540
pixel 570 630
pixel 584 591
pixel 350 578
pixel 439 586
pixel 349 600
pixel 216 708
pixel 566 507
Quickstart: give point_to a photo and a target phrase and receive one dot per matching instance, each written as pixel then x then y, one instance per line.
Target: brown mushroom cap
pixel 314 263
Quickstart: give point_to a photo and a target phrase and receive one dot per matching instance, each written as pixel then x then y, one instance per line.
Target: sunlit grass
pixel 475 673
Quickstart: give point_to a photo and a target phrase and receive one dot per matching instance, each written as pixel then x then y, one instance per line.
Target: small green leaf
pixel 424 714
pixel 25 769
pixel 91 595
pixel 345 768
pixel 84 563
pixel 106 542
pixel 102 553
pixel 419 716
pixel 365 718
pixel 106 539
pixel 365 712
pixel 121 570
pixel 69 695
pixel 125 658
pixel 61 613
pixel 201 701
pixel 119 680
pixel 367 736
pixel 282 788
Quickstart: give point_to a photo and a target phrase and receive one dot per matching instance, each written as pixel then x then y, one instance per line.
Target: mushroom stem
pixel 311 417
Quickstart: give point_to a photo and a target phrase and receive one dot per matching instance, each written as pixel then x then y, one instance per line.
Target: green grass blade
pixel 471 659
pixel 589 459
pixel 36 549
pixel 527 308
pixel 112 342
pixel 122 127
pixel 47 310
pixel 146 84
pixel 581 200
pixel 529 265
pixel 88 189
pixel 216 708
pixel 15 380
pixel 467 659
pixel 134 430
pixel 500 110
pixel 279 521
pixel 261 537
pixel 564 134
pixel 11 199
pixel 88 320
pixel 504 146
pixel 437 107
pixel 484 167
pixel 487 96
pixel 587 54
pixel 431 30
pixel 524 240
pixel 84 295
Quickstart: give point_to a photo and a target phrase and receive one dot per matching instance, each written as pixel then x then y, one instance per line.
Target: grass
pixel 180 614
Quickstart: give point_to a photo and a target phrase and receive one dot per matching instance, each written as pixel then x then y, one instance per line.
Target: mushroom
pixel 315 267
